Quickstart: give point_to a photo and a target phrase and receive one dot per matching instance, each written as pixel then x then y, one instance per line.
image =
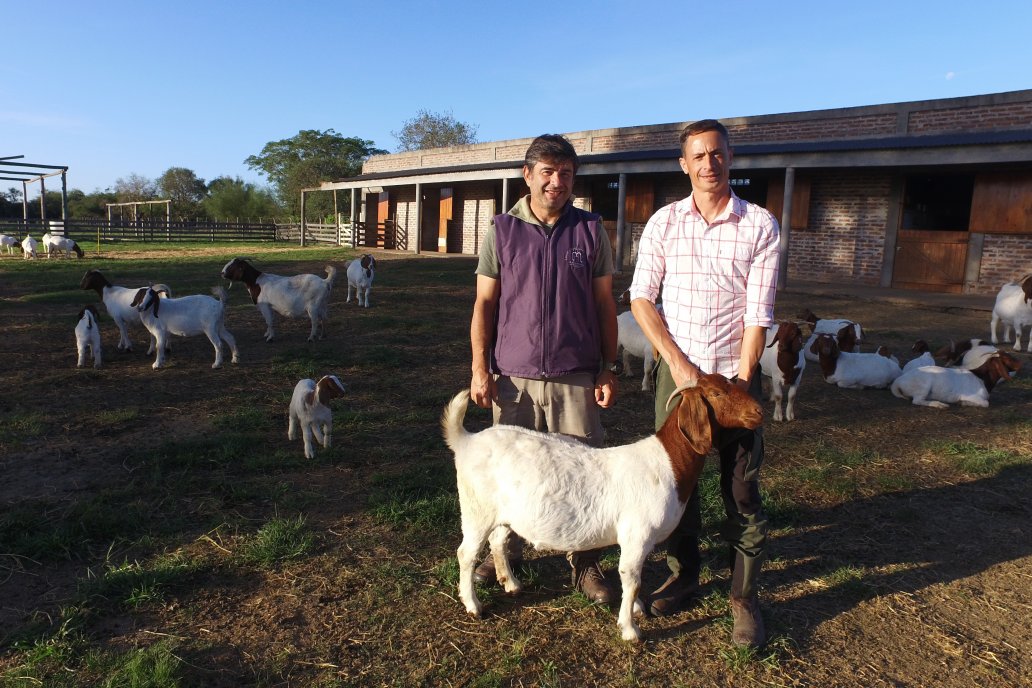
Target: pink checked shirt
pixel 715 279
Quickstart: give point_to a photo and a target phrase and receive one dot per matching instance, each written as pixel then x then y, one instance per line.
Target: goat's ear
pixel 310 398
pixel 139 297
pixel 693 421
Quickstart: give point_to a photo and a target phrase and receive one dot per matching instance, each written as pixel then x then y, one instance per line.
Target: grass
pixel 281 539
pixel 976 459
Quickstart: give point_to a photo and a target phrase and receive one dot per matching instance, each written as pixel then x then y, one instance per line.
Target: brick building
pixel 933 195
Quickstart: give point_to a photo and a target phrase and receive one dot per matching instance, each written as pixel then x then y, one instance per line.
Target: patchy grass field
pixel 158 529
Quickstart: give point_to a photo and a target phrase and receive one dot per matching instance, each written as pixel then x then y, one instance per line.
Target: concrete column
pixel 621 212
pixel 786 226
pixel 505 196
pixel 302 218
pixel 354 216
pixel 419 218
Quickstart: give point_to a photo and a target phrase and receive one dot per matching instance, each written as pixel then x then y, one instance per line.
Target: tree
pixel 306 160
pixel 434 130
pixel 233 197
pixel 135 188
pixel 183 187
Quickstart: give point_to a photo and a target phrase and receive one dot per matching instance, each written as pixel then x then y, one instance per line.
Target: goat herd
pixel 964 372
pixel 162 315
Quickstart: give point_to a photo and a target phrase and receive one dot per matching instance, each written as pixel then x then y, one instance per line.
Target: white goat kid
pixel 53 244
pixel 924 356
pixel 632 341
pixel 87 336
pixel 290 296
pixel 560 494
pixel 360 279
pixel 9 242
pixel 28 246
pixel 784 365
pixel 854 371
pixel 310 411
pixel 186 317
pixel 119 304
pixel 1013 308
pixel 939 387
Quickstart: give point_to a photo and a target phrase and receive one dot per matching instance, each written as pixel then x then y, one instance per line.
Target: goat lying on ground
pixel 924 356
pixel 939 387
pixel 784 365
pixel 1013 308
pixel 848 334
pixel 289 296
pixel 187 317
pixel 28 247
pixel 310 410
pixel 87 336
pixel 854 371
pixel 53 243
pixel 633 342
pixel 967 353
pixel 9 242
pixel 560 494
pixel 360 279
pixel 119 304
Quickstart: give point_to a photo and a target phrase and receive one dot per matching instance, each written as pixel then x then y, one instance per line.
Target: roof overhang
pixel 1013 146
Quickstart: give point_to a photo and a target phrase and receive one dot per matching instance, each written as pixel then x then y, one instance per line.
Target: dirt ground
pixel 892 563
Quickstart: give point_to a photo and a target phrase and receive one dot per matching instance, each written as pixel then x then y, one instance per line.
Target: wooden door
pixel 368 236
pixel 930 260
pixel 383 210
pixel 443 219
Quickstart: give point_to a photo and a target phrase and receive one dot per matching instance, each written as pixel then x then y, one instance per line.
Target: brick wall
pixel 403 210
pixel 1005 258
pixel 473 209
pixel 975 118
pixel 846 233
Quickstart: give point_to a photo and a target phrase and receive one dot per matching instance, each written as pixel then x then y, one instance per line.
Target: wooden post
pixel 786 226
pixel 302 225
pixel 419 217
pixel 621 221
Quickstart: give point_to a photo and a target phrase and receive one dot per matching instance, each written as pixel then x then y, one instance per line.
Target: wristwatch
pixel 617 367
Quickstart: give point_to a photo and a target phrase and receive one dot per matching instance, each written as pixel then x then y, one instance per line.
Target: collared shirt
pixel 488 264
pixel 715 278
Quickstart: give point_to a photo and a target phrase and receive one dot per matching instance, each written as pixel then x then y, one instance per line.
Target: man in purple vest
pixel 544 323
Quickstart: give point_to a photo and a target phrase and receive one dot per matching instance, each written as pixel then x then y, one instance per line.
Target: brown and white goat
pixel 939 387
pixel 851 370
pixel 560 494
pixel 361 272
pixel 87 336
pixel 310 411
pixel 783 364
pixel 848 334
pixel 1013 307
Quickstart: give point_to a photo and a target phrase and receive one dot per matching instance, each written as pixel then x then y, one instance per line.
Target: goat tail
pixel 451 420
pixel 896 391
pixel 331 276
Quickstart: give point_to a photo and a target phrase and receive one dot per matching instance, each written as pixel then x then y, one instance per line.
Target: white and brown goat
pixel 291 296
pixel 187 316
pixel 939 387
pixel 852 370
pixel 310 411
pixel 560 494
pixel 119 304
pixel 87 336
pixel 783 362
pixel 1013 308
pixel 361 272
pixel 848 335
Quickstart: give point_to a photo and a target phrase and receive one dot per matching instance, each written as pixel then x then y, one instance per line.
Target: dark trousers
pixel 745 525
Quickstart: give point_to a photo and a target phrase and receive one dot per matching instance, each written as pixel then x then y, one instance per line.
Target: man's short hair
pixel 704 125
pixel 554 148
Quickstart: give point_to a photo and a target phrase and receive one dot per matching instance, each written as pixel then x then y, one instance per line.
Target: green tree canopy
pixel 135 187
pixel 184 188
pixel 434 130
pixel 306 160
pixel 230 197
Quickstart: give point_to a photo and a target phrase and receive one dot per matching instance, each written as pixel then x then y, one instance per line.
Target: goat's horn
pixel 687 385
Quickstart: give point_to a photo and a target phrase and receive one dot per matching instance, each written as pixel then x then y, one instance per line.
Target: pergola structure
pixel 29 173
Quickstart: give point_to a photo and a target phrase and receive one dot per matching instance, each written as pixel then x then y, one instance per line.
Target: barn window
pixel 938 202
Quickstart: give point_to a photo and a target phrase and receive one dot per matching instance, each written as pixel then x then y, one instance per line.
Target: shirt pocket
pixel 730 265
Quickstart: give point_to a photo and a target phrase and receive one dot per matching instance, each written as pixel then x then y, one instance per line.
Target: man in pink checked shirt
pixel 713 259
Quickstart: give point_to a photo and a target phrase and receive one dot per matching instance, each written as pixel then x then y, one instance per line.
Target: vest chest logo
pixel 575 258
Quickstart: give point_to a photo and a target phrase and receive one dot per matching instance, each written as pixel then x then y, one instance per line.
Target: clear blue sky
pixel 118 88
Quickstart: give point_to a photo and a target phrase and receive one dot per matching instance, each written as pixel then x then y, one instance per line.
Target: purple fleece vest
pixel 547 321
